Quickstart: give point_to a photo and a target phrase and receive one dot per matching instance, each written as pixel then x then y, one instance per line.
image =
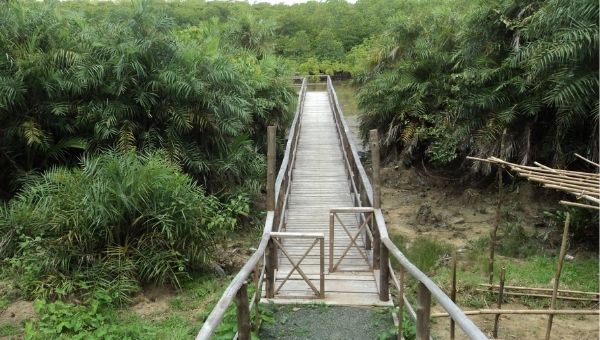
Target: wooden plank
pixel 319 183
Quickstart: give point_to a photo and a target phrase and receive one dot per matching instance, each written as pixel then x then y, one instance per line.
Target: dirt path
pixel 321 322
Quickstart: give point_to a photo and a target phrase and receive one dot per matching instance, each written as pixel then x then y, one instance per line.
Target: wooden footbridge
pixel 325 239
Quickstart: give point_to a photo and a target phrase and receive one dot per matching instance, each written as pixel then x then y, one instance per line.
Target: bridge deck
pixel 319 183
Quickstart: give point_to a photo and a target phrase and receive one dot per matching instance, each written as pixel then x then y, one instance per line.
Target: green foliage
pixel 427 254
pixel 119 221
pixel 96 320
pixel 446 83
pixel 409 329
pixel 70 83
pixel 8 330
pixel 583 225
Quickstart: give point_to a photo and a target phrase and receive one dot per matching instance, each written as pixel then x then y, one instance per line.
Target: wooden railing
pixel 277 194
pixel 365 195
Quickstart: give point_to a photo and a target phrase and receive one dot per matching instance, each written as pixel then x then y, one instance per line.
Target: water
pixel 346 93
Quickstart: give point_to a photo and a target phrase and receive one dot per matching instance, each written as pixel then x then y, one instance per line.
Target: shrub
pixel 119 221
pixel 426 254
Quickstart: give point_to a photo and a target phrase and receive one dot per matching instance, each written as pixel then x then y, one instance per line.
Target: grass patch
pixel 535 271
pixel 423 252
pixel 8 330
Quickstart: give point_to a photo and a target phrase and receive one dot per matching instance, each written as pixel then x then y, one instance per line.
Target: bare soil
pixel 525 326
pixel 16 314
pixel 419 204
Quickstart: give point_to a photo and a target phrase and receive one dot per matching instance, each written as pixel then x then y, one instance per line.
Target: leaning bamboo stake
pixel 525 312
pixel 498 218
pixel 453 294
pixel 500 297
pixel 579 205
pixel 561 259
pixel 587 160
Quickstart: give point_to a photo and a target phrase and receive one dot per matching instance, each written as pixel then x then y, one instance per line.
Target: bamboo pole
pixel 580 205
pixel 561 259
pixel 500 297
pixel 569 298
pixel 453 294
pixel 573 184
pixel 587 160
pixel 549 175
pixel 540 168
pixel 525 312
pixel 542 289
pixel 498 218
pixel 572 189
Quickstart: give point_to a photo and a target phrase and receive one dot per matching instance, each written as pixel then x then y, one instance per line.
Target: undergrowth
pixel 121 221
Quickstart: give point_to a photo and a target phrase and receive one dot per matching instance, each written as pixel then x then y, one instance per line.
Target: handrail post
pixel 271 256
pixel 270 269
pixel 271 131
pixel 331 240
pixel 374 145
pixel 243 313
pixel 423 312
pixel 384 274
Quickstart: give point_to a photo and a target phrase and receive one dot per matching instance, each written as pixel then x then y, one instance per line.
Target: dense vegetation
pixel 69 84
pixel 132 145
pixel 451 83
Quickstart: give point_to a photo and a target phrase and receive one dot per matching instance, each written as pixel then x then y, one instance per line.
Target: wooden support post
pixel 453 294
pixel 256 298
pixel 243 313
pixel 375 162
pixel 561 259
pixel 498 217
pixel 369 225
pixel 500 297
pixel 331 238
pixel 270 269
pixel 384 274
pixel 271 156
pixel 423 312
pixel 322 268
pixel 401 304
pixel 375 159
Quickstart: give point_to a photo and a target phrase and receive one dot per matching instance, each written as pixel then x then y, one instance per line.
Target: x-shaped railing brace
pixel 333 214
pixel 319 238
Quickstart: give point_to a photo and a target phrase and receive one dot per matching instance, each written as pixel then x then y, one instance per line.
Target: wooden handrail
pixel 273 217
pixel 428 287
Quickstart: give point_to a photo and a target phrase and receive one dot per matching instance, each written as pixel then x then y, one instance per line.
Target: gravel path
pixel 327 322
